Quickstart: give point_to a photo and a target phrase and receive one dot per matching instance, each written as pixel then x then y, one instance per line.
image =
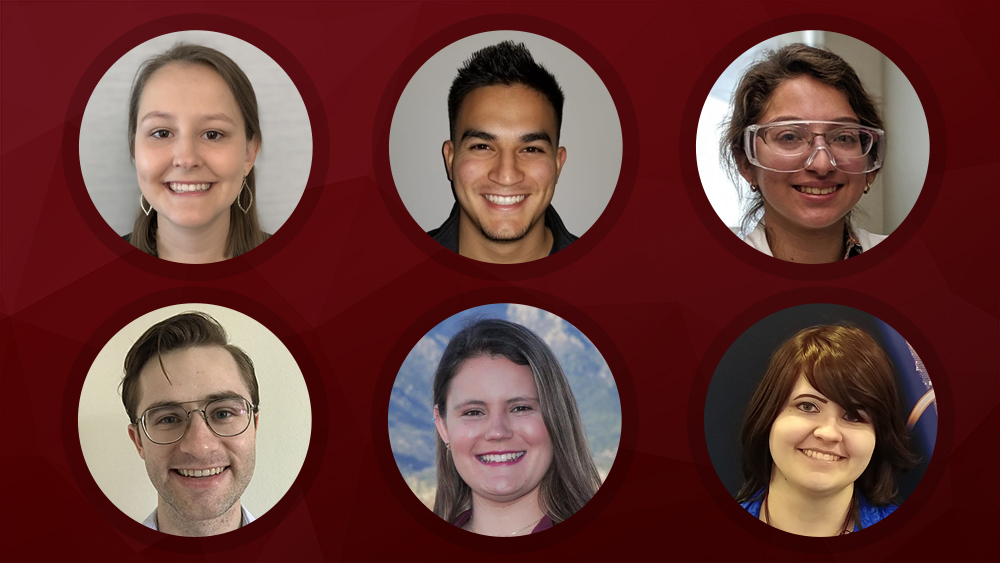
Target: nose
pixel 499 429
pixel 199 438
pixel 820 164
pixel 506 170
pixel 186 154
pixel 828 430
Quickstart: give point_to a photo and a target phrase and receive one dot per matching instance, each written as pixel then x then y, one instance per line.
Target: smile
pixel 198 473
pixel 500 458
pixel 185 187
pixel 504 200
pixel 821 456
pixel 818 191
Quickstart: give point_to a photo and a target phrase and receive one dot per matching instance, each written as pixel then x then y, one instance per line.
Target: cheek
pixel 468 172
pixel 863 445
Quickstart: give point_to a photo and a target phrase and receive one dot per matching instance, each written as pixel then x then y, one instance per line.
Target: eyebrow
pixel 817 397
pixel 166 115
pixel 205 399
pixel 481 403
pixel 845 118
pixel 525 138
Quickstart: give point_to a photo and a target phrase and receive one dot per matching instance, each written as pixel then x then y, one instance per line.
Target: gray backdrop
pixel 285 155
pixel 591 133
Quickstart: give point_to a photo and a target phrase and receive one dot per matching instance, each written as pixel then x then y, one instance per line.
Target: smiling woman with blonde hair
pixel 194 135
pixel 512 456
pixel 824 435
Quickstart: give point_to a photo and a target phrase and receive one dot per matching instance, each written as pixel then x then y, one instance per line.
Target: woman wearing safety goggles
pixel 808 140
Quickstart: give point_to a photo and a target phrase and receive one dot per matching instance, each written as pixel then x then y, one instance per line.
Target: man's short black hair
pixel 508 64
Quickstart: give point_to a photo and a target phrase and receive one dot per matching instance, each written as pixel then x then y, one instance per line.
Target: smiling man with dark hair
pixel 504 158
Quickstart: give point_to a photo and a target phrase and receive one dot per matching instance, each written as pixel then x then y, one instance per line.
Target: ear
pixel 870 177
pixel 134 434
pixel 448 151
pixel 256 420
pixel 746 170
pixel 253 147
pixel 442 428
pixel 560 160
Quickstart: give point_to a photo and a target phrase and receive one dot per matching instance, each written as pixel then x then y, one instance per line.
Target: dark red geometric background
pixel 349 281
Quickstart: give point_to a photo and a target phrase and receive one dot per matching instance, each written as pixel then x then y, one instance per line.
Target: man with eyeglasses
pixel 192 399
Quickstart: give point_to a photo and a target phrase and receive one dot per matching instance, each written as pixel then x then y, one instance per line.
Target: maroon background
pixel 347 280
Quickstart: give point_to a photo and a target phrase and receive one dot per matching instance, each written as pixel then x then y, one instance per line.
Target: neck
pixel 514 518
pixel 199 245
pixel 806 513
pixel 536 244
pixel 805 246
pixel 170 521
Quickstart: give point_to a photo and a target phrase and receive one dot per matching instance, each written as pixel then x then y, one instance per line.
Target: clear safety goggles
pixel 791 146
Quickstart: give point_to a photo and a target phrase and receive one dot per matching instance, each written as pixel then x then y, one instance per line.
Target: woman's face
pixel 817 447
pixel 785 198
pixel 191 150
pixel 494 424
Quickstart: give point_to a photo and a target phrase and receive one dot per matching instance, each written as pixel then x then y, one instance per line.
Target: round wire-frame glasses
pixel 790 146
pixel 225 417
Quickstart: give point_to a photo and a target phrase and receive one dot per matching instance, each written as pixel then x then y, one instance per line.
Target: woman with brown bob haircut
pixel 808 141
pixel 194 135
pixel 824 435
pixel 512 455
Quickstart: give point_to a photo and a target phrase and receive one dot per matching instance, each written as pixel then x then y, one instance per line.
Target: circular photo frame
pixel 530 406
pixel 201 475
pixel 190 150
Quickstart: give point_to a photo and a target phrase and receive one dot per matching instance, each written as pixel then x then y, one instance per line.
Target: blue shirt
pixel 869 513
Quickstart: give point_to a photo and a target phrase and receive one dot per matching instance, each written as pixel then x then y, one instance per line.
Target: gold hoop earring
pixel 239 195
pixel 754 188
pixel 143 207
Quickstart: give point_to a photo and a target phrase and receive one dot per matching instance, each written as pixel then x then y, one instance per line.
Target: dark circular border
pixel 935 165
pixel 311 372
pixel 626 395
pixel 272 48
pixel 699 393
pixel 626 116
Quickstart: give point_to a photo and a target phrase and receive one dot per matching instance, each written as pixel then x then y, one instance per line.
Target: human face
pixel 199 373
pixel 504 163
pixel 817 446
pixel 494 424
pixel 191 150
pixel 787 201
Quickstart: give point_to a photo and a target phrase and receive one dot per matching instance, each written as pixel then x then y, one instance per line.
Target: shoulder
pixel 151 522
pixel 463 518
pixel 247 517
pixel 752 506
pixel 127 237
pixel 871 514
pixel 756 238
pixel 869 240
pixel 447 233
pixel 544 524
pixel 561 237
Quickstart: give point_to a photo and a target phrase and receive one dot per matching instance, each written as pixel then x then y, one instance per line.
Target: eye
pixel 534 150
pixel 167 420
pixel 160 134
pixel 522 408
pixel 807 407
pixel 213 135
pixel 223 414
pixel 473 412
pixel 856 416
pixel 479 147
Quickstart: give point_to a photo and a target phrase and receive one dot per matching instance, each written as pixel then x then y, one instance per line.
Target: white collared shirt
pixel 758 239
pixel 152 523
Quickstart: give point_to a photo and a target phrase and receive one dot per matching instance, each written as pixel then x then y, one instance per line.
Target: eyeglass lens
pixel 226 417
pixel 789 147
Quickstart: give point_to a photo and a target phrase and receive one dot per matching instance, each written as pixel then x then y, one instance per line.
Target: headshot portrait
pixel 812 147
pixel 195 147
pixel 517 125
pixel 194 420
pixel 820 420
pixel 504 420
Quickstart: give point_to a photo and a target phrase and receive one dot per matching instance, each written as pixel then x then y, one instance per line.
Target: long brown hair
pixel 846 365
pixel 245 232
pixel 572 479
pixel 754 92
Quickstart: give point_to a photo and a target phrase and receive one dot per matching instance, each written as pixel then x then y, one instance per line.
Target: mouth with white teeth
pixel 820 456
pixel 811 190
pixel 199 473
pixel 187 187
pixel 508 457
pixel 504 200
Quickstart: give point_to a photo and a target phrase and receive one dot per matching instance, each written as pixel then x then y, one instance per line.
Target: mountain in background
pixel 411 428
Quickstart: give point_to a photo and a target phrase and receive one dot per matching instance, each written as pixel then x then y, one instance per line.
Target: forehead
pixel 491 379
pixel 195 373
pixel 515 107
pixel 806 98
pixel 181 85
